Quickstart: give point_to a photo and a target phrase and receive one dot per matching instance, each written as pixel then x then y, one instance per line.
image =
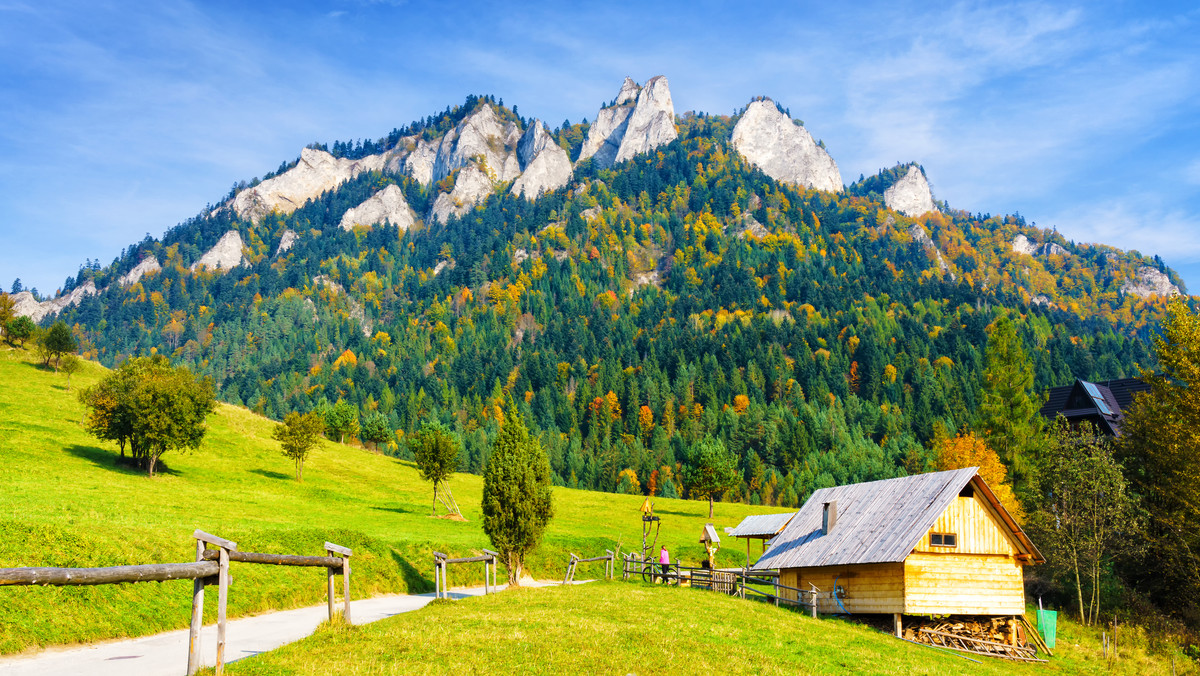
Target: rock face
pixel 1023 245
pixel 286 242
pixel 24 304
pixel 470 187
pixel 918 233
pixel 316 172
pixel 545 166
pixel 148 264
pixel 226 254
pixel 910 195
pixel 387 205
pixel 784 150
pixel 641 119
pixel 1150 282
pixel 356 309
pixel 479 135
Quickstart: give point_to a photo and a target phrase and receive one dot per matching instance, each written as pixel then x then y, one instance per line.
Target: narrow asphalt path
pixel 166 654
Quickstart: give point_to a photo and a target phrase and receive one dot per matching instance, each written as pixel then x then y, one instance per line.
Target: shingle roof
pixel 760 525
pixel 877 521
pixel 1076 402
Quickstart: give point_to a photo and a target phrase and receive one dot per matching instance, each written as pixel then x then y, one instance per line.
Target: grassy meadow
pixel 65 502
pixel 638 628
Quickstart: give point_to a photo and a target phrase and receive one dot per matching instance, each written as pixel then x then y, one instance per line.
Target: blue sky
pixel 121 119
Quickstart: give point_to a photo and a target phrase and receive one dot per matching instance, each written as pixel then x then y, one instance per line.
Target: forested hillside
pixel 822 336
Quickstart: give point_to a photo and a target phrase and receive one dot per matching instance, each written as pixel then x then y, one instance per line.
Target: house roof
pixel 1102 403
pixel 878 521
pixel 760 526
pixel 709 534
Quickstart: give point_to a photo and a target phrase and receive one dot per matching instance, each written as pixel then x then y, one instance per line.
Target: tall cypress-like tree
pixel 1009 410
pixel 517 499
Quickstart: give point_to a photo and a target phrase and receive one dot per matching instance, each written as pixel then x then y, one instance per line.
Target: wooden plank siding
pixel 870 588
pixel 977 528
pixel 963 584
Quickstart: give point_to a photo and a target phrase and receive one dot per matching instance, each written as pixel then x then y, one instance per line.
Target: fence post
pixel 332 549
pixel 222 599
pixel 197 616
pixel 492 563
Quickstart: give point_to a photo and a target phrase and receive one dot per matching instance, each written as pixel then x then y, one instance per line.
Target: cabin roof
pixel 760 526
pixel 1102 403
pixel 878 521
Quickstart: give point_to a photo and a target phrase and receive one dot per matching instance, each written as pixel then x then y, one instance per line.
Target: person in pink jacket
pixel 664 559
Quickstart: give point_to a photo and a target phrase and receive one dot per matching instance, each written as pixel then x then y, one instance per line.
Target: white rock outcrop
pixel 147 265
pixel 479 136
pixel 918 233
pixel 287 241
pixel 784 150
pixel 1150 281
pixel 226 254
pixel 910 195
pixel 641 119
pixel 471 186
pixel 316 172
pixel 387 205
pixel 1023 245
pixel 357 313
pixel 545 166
pixel 24 304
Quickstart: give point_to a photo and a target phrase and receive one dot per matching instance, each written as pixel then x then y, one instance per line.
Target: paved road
pixel 166 654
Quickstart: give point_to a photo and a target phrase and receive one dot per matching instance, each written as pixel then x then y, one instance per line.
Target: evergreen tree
pixel 1160 447
pixel 341 419
pixel 517 499
pixel 376 429
pixel 18 330
pixel 711 471
pixel 1009 415
pixel 436 449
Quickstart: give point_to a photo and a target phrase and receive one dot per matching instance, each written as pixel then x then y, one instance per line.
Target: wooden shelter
pixel 938 543
pixel 1102 403
pixel 762 527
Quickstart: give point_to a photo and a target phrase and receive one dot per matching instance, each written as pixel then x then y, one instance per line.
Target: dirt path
pixel 166 653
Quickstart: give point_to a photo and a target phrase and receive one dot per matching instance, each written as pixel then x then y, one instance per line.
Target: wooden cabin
pixel 937 543
pixel 1103 404
pixel 763 527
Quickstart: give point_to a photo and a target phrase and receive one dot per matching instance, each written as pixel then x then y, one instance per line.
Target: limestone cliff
pixel 479 136
pixel 918 233
pixel 286 242
pixel 24 304
pixel 784 150
pixel 387 205
pixel 640 120
pixel 316 172
pixel 471 185
pixel 1150 282
pixel 1023 245
pixel 910 195
pixel 545 166
pixel 226 254
pixel 147 264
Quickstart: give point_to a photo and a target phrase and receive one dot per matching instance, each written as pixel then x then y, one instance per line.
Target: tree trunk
pixel 710 506
pixel 514 570
pixel 152 459
pixel 299 470
pixel 434 512
pixel 1078 588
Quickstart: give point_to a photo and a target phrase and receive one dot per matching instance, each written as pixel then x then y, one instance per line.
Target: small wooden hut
pixel 938 543
pixel 762 527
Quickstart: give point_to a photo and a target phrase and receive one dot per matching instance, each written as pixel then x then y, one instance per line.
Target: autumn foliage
pixel 967 450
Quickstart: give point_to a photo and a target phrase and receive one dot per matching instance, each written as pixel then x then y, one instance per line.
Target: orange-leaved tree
pixel 968 450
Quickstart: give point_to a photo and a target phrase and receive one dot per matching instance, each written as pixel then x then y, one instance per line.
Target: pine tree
pixel 1009 415
pixel 711 471
pixel 517 500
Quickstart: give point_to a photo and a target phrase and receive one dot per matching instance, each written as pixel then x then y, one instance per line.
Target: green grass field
pixel 638 628
pixel 64 502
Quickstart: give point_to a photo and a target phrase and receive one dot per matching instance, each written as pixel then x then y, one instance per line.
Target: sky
pixel 119 120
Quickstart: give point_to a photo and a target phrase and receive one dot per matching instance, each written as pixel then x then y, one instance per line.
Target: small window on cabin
pixel 943 539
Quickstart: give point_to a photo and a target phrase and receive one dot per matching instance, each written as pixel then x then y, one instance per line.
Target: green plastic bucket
pixel 1047 623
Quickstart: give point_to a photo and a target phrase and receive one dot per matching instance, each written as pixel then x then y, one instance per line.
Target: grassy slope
pixel 63 502
pixel 640 628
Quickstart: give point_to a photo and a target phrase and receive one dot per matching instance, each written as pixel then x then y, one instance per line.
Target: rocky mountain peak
pixel 1150 281
pixel 226 254
pixel 545 166
pixel 784 150
pixel 316 172
pixel 386 206
pixel 146 265
pixel 910 195
pixel 1023 245
pixel 642 119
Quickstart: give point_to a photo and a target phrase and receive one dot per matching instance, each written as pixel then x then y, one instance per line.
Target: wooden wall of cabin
pixel 870 588
pixel 963 584
pixel 976 526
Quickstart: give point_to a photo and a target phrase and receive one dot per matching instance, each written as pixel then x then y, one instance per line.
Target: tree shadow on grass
pixel 395 510
pixel 108 460
pixel 674 513
pixel 414 580
pixel 271 475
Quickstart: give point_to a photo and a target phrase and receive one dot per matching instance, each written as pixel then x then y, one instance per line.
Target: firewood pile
pixel 991 636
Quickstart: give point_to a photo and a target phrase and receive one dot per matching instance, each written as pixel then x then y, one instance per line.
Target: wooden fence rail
pixel 441 561
pixel 211 567
pixel 609 564
pixel 736 582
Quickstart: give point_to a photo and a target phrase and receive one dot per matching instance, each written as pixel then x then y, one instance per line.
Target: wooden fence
pixel 441 561
pixel 211 567
pixel 609 560
pixel 734 582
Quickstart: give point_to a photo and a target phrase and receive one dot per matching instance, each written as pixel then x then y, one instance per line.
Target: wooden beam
pixel 197 622
pixel 213 540
pixel 222 600
pixel 344 551
pixel 154 572
pixel 277 559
